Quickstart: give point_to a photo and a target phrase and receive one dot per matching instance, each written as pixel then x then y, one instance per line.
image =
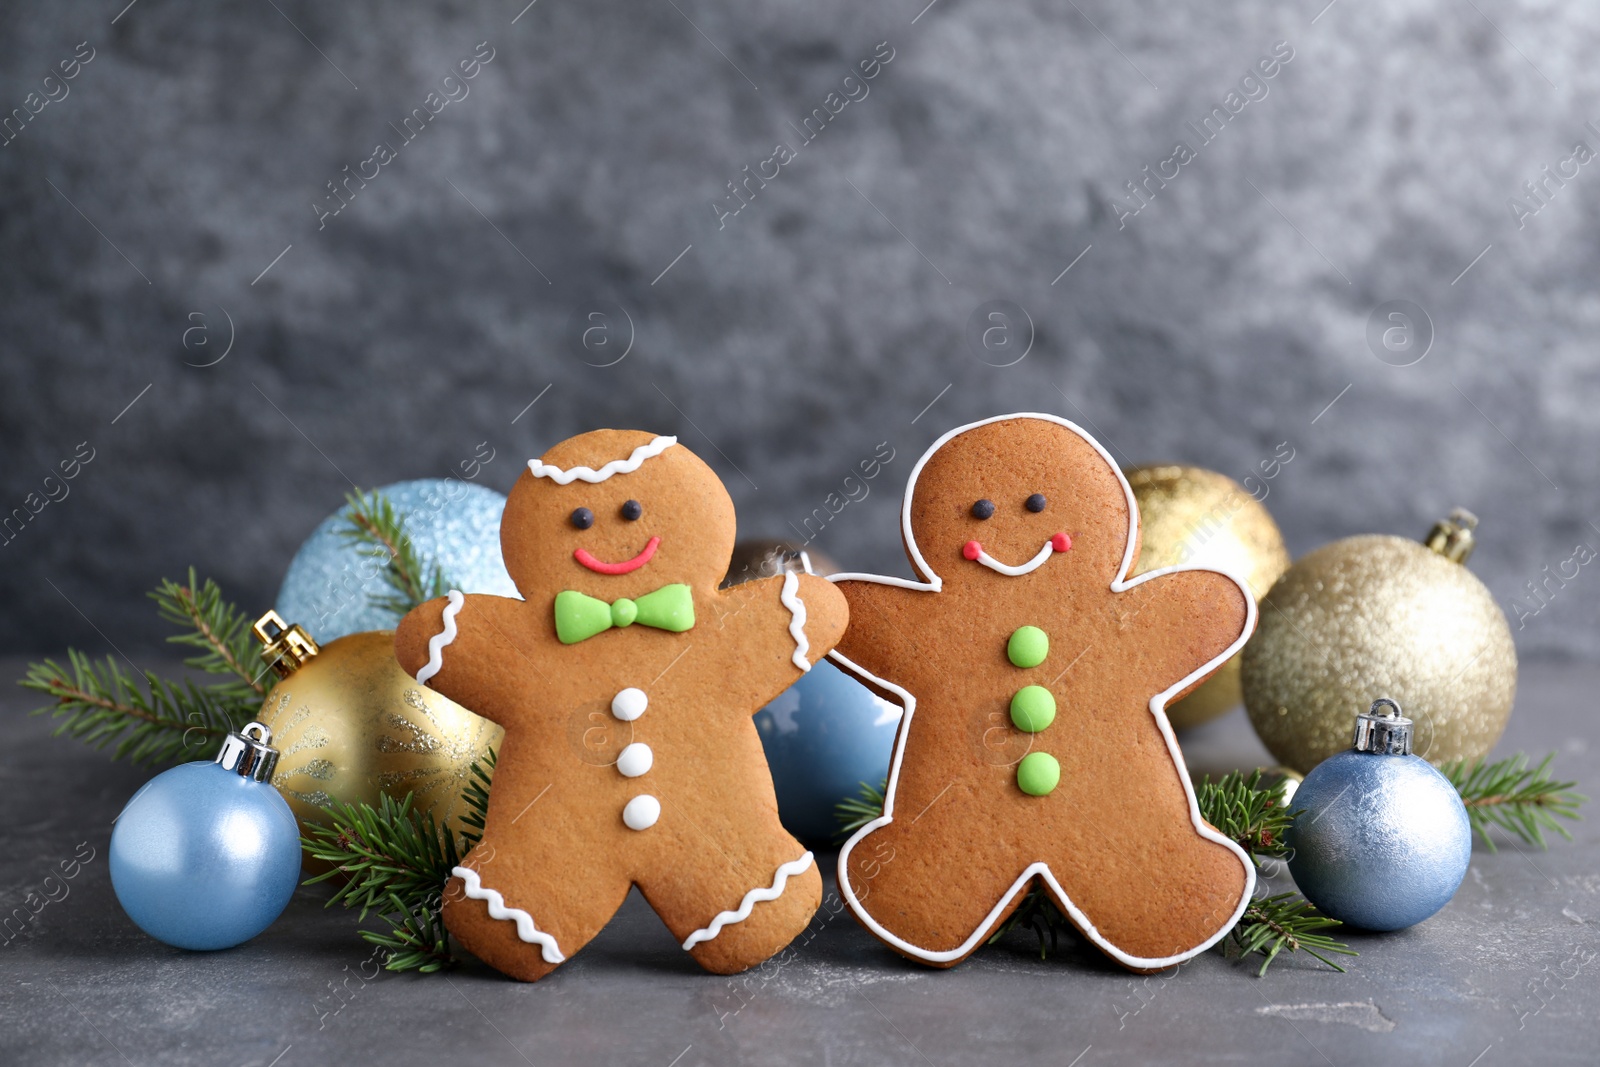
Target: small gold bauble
pixel 1189 515
pixel 351 725
pixel 1379 616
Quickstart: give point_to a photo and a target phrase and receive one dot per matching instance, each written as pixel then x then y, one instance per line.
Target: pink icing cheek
pixel 1061 542
pixel 972 550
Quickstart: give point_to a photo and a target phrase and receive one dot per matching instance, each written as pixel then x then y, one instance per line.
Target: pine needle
pixel 855 812
pixel 379 530
pixel 393 862
pixel 1524 801
pixel 1286 921
pixel 219 630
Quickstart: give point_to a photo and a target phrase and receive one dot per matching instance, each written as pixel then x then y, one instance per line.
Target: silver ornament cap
pixel 1383 729
pixel 249 753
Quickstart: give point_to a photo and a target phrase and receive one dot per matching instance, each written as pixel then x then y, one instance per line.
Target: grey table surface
pixel 1505 974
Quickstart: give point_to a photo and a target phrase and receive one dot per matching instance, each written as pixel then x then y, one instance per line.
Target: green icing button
pixel 1038 774
pixel 1033 708
pixel 1028 647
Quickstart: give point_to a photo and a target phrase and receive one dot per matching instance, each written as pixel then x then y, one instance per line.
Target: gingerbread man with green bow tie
pixel 626 682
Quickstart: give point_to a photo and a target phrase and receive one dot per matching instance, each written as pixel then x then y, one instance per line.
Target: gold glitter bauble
pixel 351 725
pixel 1379 616
pixel 1195 516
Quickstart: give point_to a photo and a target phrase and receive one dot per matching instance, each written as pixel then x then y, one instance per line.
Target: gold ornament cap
pixel 249 753
pixel 286 646
pixel 1453 538
pixel 1383 730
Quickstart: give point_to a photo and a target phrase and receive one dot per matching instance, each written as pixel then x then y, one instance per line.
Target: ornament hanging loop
pixel 1383 729
pixel 1454 538
pixel 286 646
pixel 249 753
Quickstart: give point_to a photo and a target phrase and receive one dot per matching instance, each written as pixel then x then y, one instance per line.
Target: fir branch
pixel 1286 921
pixel 375 525
pixel 153 721
pixel 1254 818
pixel 1524 801
pixel 855 812
pixel 219 630
pixel 393 862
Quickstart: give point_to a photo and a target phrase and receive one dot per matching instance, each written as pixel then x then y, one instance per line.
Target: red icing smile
pixel 600 566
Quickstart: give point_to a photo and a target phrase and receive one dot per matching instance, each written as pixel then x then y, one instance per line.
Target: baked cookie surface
pixel 626 682
pixel 1034 674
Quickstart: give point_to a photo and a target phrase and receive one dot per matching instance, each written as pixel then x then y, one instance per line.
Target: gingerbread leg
pixel 930 894
pixel 525 916
pixel 1189 897
pixel 764 900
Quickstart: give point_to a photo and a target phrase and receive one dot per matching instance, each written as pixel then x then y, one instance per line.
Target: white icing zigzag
pixel 438 641
pixel 498 910
pixel 540 469
pixel 751 899
pixel 797 624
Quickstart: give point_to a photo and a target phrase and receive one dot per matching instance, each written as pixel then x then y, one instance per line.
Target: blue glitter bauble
pixel 1381 841
pixel 332 588
pixel 202 858
pixel 824 736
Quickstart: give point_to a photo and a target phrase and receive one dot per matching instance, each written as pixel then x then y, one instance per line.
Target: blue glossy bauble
pixel 1381 841
pixel 332 589
pixel 824 736
pixel 202 858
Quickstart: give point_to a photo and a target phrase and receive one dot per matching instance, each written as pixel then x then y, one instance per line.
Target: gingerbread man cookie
pixel 1034 746
pixel 626 682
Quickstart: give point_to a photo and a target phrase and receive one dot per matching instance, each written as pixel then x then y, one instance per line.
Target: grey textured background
pixel 829 313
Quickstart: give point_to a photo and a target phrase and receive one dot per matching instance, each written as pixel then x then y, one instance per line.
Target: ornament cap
pixel 286 646
pixel 249 753
pixel 1383 729
pixel 1453 538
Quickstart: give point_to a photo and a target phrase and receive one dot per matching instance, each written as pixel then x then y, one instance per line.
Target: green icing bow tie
pixel 580 616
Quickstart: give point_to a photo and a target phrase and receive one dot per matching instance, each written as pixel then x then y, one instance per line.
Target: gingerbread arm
pixel 889 626
pixel 767 629
pixel 439 643
pixel 1184 620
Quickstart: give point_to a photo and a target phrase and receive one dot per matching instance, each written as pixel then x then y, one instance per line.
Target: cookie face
pixel 626 682
pixel 1034 675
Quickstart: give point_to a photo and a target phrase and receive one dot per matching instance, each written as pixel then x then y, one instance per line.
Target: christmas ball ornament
pixel 207 855
pixel 353 726
pixel 333 588
pixel 827 733
pixel 1381 614
pixel 1189 515
pixel 1381 839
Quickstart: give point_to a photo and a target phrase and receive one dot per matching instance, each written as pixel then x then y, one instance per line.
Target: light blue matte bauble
pixel 1381 841
pixel 202 858
pixel 824 736
pixel 331 587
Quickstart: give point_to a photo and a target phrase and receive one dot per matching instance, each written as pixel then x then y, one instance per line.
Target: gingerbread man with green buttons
pixel 626 682
pixel 1035 748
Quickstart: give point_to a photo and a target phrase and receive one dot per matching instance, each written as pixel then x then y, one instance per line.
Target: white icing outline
pixel 438 642
pixel 1007 569
pixel 541 469
pixel 497 910
pixel 797 623
pixel 751 899
pixel 1158 703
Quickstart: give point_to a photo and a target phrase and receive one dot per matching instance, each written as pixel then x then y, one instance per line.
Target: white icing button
pixel 629 704
pixel 642 812
pixel 635 760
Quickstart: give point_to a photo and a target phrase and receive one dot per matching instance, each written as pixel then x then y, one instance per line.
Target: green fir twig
pixel 855 812
pixel 1524 801
pixel 1252 816
pixel 392 862
pixel 219 630
pixel 379 530
pixel 1286 921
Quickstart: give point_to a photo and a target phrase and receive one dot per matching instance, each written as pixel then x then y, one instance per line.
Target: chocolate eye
pixel 631 510
pixel 983 509
pixel 1034 503
pixel 583 518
